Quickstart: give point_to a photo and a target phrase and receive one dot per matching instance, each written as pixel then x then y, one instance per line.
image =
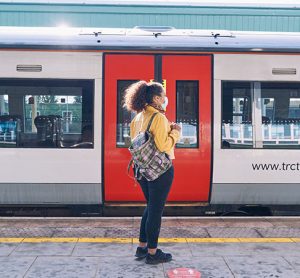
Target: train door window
pixel 280 107
pixel 124 116
pixel 47 113
pixel 187 113
pixel 237 130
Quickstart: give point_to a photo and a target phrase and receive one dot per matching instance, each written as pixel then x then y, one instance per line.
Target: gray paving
pixel 48 267
pixel 103 249
pixel 116 260
pixel 244 249
pixel 128 267
pixel 293 261
pixel 7 248
pixel 15 266
pixel 177 250
pixel 43 249
pixel 261 266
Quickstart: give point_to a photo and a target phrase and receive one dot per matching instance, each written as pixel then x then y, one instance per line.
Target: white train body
pixel 67 175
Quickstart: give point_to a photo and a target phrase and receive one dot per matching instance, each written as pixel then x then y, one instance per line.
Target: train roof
pixel 147 38
pixel 194 3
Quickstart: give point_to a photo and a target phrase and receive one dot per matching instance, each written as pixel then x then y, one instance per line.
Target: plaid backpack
pixel 149 162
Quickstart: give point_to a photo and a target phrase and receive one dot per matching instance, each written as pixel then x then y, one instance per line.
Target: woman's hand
pixel 175 126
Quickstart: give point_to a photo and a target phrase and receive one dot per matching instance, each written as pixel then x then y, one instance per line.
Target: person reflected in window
pixel 87 134
pixel 86 138
pixel 225 144
pixel 146 99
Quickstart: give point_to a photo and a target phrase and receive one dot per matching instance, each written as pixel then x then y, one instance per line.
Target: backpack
pixel 149 162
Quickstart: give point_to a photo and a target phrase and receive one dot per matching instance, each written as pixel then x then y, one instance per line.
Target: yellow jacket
pixel 164 138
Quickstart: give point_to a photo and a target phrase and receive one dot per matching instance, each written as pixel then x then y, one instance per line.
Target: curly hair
pixel 141 93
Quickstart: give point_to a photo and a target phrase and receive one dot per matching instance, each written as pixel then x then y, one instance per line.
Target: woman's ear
pixel 155 99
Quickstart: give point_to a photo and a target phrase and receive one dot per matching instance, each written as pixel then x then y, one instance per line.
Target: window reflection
pixel 187 95
pixel 280 104
pixel 46 113
pixel 124 116
pixel 237 130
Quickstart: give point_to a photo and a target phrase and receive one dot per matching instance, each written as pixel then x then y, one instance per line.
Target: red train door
pixel 188 86
pixel 120 72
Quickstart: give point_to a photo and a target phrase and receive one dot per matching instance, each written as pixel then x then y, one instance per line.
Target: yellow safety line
pixel 105 240
pixel 10 239
pixel 211 240
pixel 172 240
pixel 266 240
pixel 50 239
pixel 135 240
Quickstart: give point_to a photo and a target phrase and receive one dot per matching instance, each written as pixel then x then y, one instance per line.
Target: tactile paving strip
pixel 233 232
pixel 171 232
pixel 79 232
pixel 121 232
pixel 166 232
pixel 26 232
pixel 279 232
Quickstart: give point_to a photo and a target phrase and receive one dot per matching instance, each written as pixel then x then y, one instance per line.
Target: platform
pixel 104 247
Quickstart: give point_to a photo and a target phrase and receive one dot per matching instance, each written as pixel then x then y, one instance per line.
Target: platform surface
pixel 104 247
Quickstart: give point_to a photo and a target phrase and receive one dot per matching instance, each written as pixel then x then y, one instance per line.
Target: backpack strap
pixel 129 165
pixel 134 176
pixel 151 120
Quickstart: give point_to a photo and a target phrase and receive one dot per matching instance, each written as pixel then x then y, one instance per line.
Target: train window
pixel 187 99
pixel 124 117
pixel 44 113
pixel 280 108
pixel 237 127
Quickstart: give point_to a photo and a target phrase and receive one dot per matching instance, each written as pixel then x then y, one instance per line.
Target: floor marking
pixel 265 240
pixel 172 240
pixel 50 239
pixel 212 240
pixel 11 239
pixel 135 240
pixel 105 240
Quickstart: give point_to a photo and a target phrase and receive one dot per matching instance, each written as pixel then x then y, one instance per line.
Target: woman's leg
pixel 143 235
pixel 158 193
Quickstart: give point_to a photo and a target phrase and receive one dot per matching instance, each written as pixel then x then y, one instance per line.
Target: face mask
pixel 165 104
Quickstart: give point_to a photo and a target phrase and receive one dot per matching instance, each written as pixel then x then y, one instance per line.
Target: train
pixel 64 134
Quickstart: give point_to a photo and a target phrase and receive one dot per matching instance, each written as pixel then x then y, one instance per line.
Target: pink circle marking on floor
pixel 183 273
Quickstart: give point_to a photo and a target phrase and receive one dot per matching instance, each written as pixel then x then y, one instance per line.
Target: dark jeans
pixel 156 193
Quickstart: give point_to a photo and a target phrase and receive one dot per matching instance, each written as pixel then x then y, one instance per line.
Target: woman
pixel 146 99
